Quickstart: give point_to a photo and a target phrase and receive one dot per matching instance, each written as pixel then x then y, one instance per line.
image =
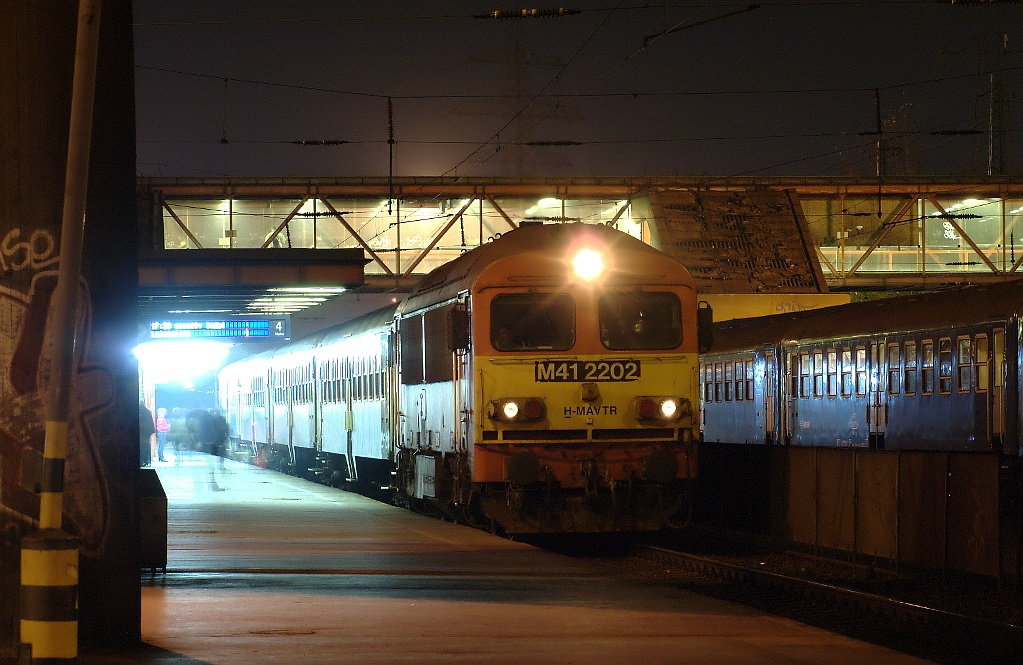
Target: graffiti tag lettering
pixel 35 253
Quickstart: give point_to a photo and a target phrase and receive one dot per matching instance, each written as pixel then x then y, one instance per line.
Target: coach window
pixel 639 320
pixel 818 373
pixel 847 373
pixel 832 373
pixel 740 383
pixel 708 382
pixel 1000 366
pixel 909 373
pixel 964 363
pixel 717 380
pixel 983 367
pixel 894 368
pixel 728 380
pixel 861 370
pixel 378 378
pixel 532 322
pixel 927 367
pixel 945 365
pixel 749 379
pixel 804 374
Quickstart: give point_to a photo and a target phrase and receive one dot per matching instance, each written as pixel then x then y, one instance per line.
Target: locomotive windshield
pixel 637 320
pixel 532 322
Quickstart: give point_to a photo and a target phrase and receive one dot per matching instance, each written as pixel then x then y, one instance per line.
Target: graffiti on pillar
pixel 24 384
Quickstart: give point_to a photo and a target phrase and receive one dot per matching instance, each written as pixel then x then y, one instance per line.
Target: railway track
pixel 934 634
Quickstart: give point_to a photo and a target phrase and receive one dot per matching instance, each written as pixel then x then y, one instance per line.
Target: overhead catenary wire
pixel 500 138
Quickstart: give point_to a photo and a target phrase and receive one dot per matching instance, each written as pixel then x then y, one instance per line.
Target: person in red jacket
pixel 162 427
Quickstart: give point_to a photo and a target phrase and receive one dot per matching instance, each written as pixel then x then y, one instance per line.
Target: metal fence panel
pixel 877 503
pixel 973 513
pixel 922 505
pixel 836 513
pixel 800 496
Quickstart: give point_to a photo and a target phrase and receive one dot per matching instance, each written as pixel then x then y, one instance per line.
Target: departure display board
pixel 274 329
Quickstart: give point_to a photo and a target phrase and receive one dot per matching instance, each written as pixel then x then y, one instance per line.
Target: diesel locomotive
pixel 546 381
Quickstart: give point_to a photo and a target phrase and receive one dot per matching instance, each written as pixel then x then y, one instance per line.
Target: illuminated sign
pixel 276 329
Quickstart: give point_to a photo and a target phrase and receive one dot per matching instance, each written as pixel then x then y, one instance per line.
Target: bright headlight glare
pixel 511 409
pixel 588 264
pixel 669 408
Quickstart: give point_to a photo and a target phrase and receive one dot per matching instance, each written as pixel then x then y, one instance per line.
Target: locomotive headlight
pixel 588 264
pixel 661 409
pixel 516 409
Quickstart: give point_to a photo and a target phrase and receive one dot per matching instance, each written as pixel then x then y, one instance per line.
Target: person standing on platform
pixel 202 425
pixel 177 435
pixel 146 431
pixel 162 427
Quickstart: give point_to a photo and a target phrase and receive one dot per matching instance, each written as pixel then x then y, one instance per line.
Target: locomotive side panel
pixel 435 353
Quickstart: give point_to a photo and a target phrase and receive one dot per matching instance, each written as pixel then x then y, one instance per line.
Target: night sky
pixel 231 88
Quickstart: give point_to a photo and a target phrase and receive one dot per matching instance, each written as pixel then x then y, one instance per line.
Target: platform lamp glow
pixel 49 557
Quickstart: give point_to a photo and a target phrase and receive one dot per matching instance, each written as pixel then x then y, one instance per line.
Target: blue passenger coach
pixel 933 371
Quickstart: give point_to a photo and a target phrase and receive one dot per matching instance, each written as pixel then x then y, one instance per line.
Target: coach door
pixel 877 394
pixel 349 388
pixel 769 392
pixel 991 371
pixel 790 396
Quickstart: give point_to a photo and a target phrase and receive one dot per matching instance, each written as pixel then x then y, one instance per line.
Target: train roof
pixel 373 321
pixel 948 308
pixel 448 280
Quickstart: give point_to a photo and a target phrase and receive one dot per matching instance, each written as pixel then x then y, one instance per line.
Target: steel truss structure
pixel 901 233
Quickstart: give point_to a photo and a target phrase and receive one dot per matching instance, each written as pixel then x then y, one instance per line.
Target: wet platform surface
pixel 277 570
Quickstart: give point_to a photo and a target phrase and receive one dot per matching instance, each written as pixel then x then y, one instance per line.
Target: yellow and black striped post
pixel 49 568
pixel 49 598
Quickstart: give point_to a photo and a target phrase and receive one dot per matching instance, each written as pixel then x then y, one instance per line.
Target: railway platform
pixel 273 569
